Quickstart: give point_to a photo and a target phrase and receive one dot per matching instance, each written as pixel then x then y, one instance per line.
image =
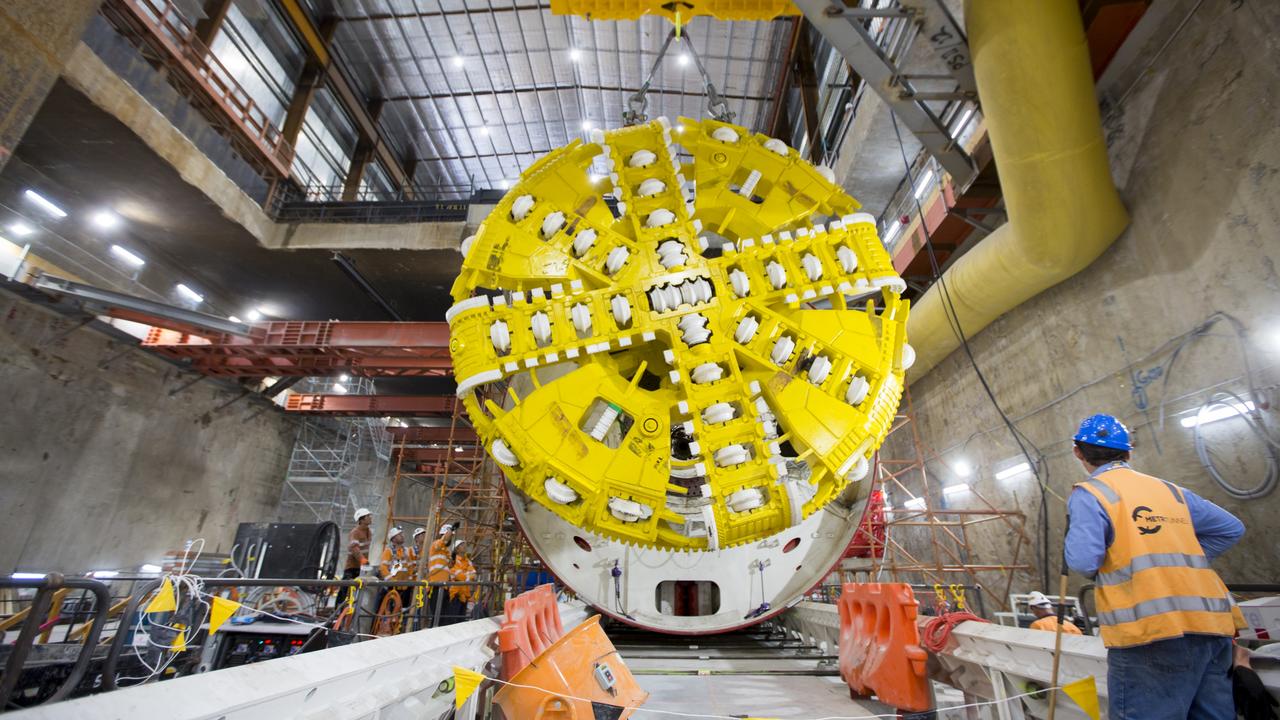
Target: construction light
pixel 21 229
pixel 892 233
pixel 504 184
pixel 587 125
pixel 127 256
pixel 962 468
pixel 27 576
pixel 575 55
pixel 149 568
pixel 105 220
pixel 104 573
pixel 1223 411
pixel 922 185
pixel 914 504
pixel 189 294
pixel 682 59
pixel 458 61
pixel 340 388
pixel 44 204
pixel 254 315
pixel 956 489
pixel 344 377
pixel 1013 471
pixel 233 318
pixel 964 121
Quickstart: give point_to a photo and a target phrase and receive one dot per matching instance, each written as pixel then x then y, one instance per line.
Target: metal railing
pixel 61 648
pixel 325 203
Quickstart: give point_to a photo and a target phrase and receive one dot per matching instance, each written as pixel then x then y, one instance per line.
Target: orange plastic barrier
pixel 880 651
pixel 531 626
pixel 580 677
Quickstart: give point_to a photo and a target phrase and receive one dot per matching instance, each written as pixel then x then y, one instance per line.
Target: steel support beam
pixel 940 29
pixel 424 434
pixel 344 90
pixel 846 33
pixel 215 14
pixel 128 307
pixel 807 80
pixel 371 405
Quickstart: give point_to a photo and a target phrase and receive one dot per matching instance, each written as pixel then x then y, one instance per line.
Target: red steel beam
pixel 469 454
pixel 325 347
pixel 371 405
pixel 422 435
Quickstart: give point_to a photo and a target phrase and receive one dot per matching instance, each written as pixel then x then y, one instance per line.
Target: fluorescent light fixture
pixel 254 315
pixel 457 449
pixel 575 55
pixel 682 59
pixel 27 576
pixel 458 61
pixel 127 256
pixel 892 233
pixel 105 573
pixel 964 121
pixel 345 377
pixel 914 504
pixel 190 294
pixel 1223 411
pixel 44 204
pixel 922 185
pixel 1015 470
pixel 955 489
pixel 340 388
pixel 149 568
pixel 587 125
pixel 962 468
pixel 21 229
pixel 105 219
pixel 233 318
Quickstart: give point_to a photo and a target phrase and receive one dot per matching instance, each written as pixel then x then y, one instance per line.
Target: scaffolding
pixel 467 489
pixel 337 464
pixel 925 541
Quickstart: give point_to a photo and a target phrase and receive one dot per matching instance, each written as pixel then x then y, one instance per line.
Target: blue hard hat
pixel 1104 431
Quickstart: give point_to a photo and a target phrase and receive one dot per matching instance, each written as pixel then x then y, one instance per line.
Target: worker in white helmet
pixel 438 571
pixel 397 564
pixel 358 549
pixel 1046 618
pixel 461 570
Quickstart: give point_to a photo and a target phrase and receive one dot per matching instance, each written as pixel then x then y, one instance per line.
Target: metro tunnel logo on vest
pixel 1149 524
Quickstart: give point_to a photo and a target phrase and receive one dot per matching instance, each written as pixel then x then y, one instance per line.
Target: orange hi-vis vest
pixel 438 562
pixel 462 571
pixel 1155 582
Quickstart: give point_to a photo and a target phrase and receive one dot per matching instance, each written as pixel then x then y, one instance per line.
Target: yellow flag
pixel 165 600
pixel 222 610
pixel 465 684
pixel 1085 692
pixel 179 640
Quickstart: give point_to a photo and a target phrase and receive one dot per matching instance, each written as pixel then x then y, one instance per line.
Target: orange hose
pixel 938 630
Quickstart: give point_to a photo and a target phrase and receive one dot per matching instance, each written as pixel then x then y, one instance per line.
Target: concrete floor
pixel 759 696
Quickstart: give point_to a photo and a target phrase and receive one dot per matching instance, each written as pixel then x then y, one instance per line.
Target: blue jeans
pixel 1184 678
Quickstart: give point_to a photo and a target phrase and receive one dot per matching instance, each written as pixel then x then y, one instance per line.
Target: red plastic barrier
pixel 532 625
pixel 880 651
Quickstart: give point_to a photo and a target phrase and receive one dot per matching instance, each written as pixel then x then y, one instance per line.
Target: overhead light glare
pixel 962 468
pixel 1224 411
pixel 682 59
pixel 105 573
pixel 344 377
pixel 923 184
pixel 27 576
pixel 956 489
pixel 892 233
pixel 1013 471
pixel 575 55
pixel 594 178
pixel 149 568
pixel 45 204
pixel 914 504
pixel 21 229
pixel 587 125
pixel 484 130
pixel 105 220
pixel 504 184
pixel 254 315
pixel 964 121
pixel 340 388
pixel 458 61
pixel 233 318
pixel 189 294
pixel 127 256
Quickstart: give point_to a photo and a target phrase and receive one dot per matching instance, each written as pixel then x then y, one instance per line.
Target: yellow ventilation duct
pixel 1032 66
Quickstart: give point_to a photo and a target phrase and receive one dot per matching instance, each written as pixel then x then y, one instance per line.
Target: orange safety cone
pixel 580 677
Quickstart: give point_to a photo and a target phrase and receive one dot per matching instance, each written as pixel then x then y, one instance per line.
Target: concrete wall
pixel 1196 149
pixel 102 468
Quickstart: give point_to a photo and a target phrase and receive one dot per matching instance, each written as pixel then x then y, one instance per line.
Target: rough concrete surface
pixel 102 468
pixel 1198 145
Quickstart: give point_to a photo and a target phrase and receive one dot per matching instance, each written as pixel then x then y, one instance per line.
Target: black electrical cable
pixel 1037 464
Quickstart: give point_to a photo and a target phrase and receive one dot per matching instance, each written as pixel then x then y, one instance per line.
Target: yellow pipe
pixel 1036 86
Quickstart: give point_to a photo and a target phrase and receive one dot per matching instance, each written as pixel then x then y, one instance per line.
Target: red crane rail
pixel 371 405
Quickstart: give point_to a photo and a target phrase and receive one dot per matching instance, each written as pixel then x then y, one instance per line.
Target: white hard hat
pixel 456 543
pixel 394 532
pixel 445 528
pixel 1038 599
pixel 418 532
pixel 362 512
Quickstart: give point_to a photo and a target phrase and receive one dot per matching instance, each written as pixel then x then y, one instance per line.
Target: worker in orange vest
pixel 1042 607
pixel 438 571
pixel 1165 615
pixel 397 564
pixel 461 570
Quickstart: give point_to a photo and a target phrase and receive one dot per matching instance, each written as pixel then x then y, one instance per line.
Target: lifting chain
pixel 637 104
